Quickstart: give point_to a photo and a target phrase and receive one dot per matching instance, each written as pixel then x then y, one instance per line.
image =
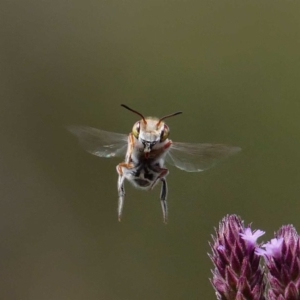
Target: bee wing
pixel 99 142
pixel 198 157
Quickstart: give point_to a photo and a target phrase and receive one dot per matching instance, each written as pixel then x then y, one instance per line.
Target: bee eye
pixel 164 133
pixel 136 130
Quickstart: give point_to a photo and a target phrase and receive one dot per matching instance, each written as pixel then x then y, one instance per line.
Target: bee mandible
pixel 146 150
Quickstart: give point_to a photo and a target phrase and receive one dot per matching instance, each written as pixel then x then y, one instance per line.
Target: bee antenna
pixel 125 106
pixel 168 116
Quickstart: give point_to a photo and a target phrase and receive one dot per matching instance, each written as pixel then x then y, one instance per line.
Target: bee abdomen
pixel 141 182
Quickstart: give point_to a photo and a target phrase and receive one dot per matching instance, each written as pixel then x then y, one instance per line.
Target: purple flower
pixel 237 274
pixel 272 249
pixel 251 237
pixel 282 257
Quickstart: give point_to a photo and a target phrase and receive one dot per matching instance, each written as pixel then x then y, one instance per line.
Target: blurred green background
pixel 231 66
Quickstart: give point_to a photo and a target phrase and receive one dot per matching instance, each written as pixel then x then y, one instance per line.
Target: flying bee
pixel 146 149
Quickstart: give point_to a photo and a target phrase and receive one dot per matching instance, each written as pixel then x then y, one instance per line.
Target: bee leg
pixel 121 192
pixel 163 199
pixel 121 189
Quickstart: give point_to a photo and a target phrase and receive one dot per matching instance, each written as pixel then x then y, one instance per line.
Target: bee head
pixel 150 131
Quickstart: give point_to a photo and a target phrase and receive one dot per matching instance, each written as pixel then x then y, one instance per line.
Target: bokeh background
pixel 231 66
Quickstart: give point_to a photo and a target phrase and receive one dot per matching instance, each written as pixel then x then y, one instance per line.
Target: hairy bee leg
pixel 121 192
pixel 164 189
pixel 121 189
pixel 163 199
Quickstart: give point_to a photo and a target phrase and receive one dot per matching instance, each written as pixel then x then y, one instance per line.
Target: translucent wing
pixel 198 157
pixel 99 142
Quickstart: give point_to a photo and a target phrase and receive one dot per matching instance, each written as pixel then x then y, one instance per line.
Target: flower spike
pixel 282 256
pixel 237 274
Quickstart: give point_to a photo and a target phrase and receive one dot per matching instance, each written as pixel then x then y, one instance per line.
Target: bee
pixel 146 150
